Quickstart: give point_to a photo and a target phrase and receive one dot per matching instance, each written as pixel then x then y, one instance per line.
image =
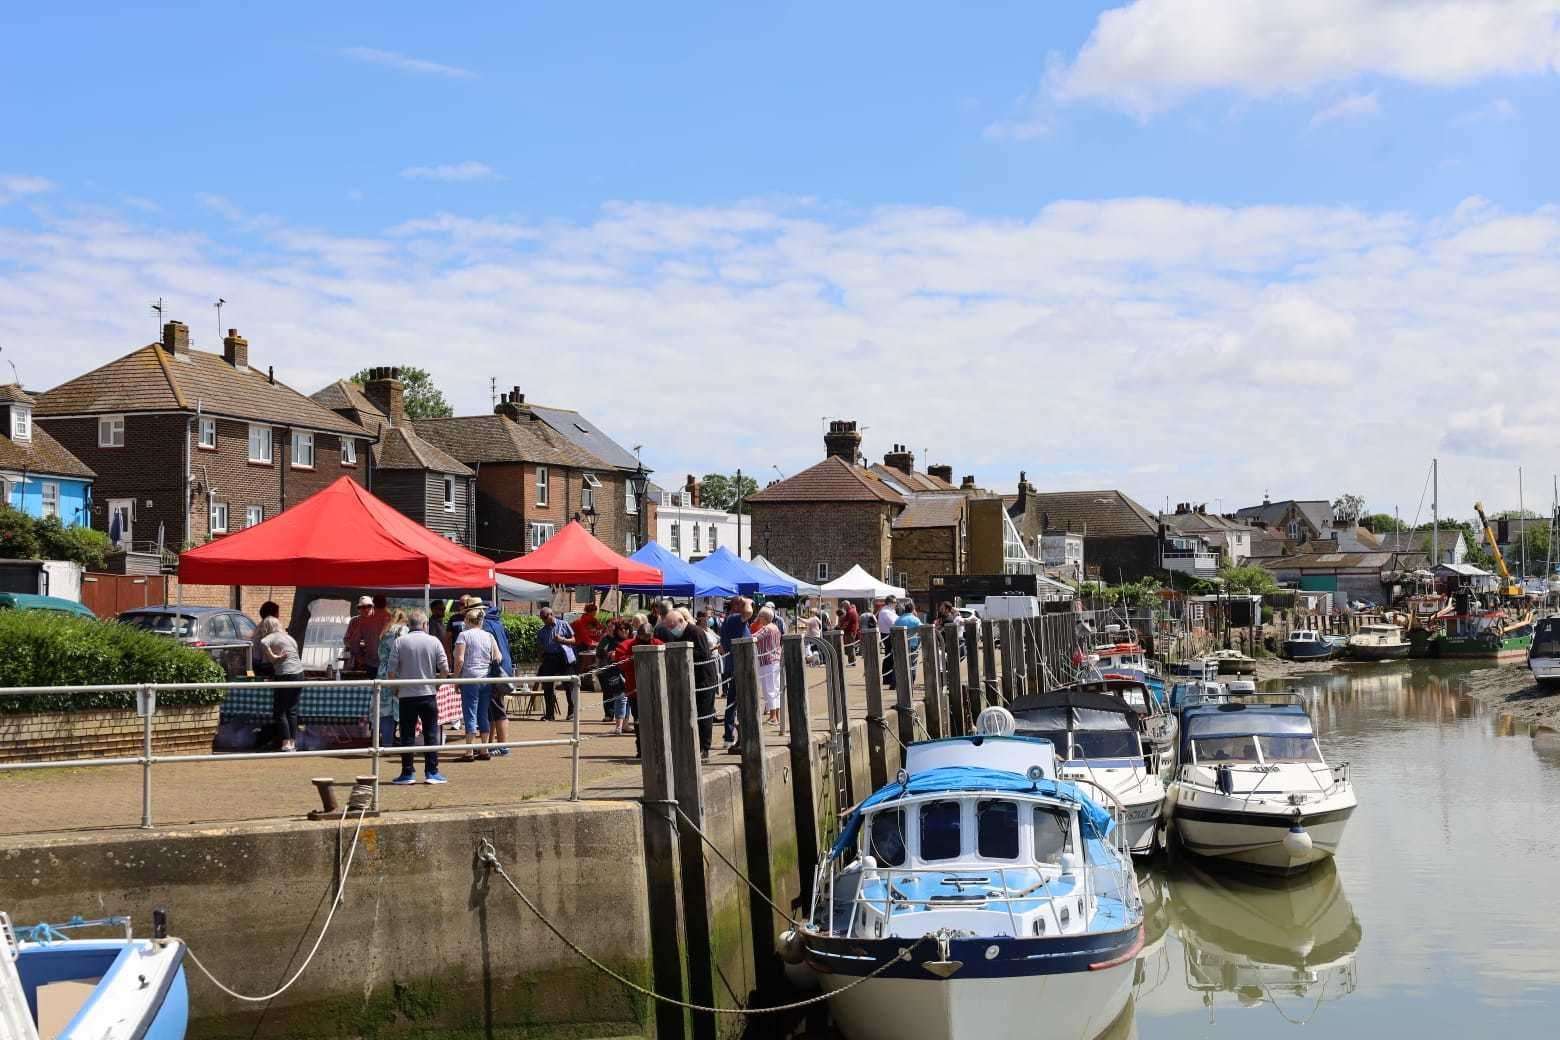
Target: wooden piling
pixel 688 785
pixel 1010 658
pixel 904 698
pixel 975 684
pixel 769 972
pixel 1031 627
pixel 936 700
pixel 804 788
pixel 839 714
pixel 661 844
pixel 877 725
pixel 988 656
pixel 958 724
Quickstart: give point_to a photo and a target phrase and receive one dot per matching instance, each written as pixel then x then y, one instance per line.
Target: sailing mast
pixel 1435 513
pixel 1522 526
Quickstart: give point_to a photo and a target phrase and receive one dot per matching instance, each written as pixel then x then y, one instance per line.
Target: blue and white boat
pixel 53 987
pixel 977 896
pixel 1307 644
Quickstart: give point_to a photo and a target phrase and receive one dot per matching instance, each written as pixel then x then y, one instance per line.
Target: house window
pixel 628 543
pixel 1294 530
pixel 904 580
pixel 695 537
pixel 51 498
pixel 302 450
pixel 630 503
pixel 259 444
pixel 823 572
pixel 349 451
pixel 208 433
pixel 449 494
pixel 111 431
pixel 537 534
pixel 253 515
pixel 541 485
pixel 714 538
pixel 21 423
pixel 589 485
pixel 219 518
pixel 676 537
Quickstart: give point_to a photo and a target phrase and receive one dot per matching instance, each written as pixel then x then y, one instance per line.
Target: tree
pixel 1349 507
pixel 423 400
pixel 1382 523
pixel 718 491
pixel 1249 579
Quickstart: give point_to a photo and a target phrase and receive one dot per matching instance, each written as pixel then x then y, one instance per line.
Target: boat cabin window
pixel 1053 834
pixel 1107 743
pixel 996 829
pixel 940 830
pixel 1225 749
pixel 886 837
pixel 1292 748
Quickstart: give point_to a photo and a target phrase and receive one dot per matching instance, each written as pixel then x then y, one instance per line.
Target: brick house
pixel 37 475
pixel 411 474
pixel 531 480
pixel 197 444
pixel 1121 538
pixel 929 540
pixel 829 517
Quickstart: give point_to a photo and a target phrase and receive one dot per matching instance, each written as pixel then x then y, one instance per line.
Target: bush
pixel 82 545
pixel 43 648
pixel 18 535
pixel 522 630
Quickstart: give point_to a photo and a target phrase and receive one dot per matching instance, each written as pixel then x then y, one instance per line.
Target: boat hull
pixel 1237 666
pixel 1013 994
pixel 1256 839
pixel 1493 648
pixel 1309 651
pixel 1393 652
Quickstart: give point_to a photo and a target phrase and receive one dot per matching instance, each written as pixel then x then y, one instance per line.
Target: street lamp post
pixel 638 481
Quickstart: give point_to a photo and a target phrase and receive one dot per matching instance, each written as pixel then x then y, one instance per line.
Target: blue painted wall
pixel 75 498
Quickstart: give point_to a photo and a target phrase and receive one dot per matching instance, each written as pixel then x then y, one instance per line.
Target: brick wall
pixel 105 734
pixel 922 552
pixel 506 503
pixel 797 536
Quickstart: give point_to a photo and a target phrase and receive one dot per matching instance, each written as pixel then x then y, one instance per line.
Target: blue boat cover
pixel 728 568
pixel 678 576
pixel 1093 821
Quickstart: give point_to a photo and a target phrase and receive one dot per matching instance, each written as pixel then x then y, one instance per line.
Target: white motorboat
pixel 984 897
pixel 1544 656
pixel 1251 787
pixel 1377 643
pixel 1098 743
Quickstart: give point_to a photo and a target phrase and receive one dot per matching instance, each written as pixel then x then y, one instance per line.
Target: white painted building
pixel 1062 554
pixel 692 532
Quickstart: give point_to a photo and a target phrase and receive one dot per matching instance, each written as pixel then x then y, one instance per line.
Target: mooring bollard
pixel 877 725
pixel 769 972
pixel 688 786
pixel 661 845
pixel 804 785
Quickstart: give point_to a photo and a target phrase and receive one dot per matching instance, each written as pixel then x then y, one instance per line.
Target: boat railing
pixel 146 707
pixel 1008 895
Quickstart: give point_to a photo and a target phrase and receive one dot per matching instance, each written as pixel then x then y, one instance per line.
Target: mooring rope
pixel 487 854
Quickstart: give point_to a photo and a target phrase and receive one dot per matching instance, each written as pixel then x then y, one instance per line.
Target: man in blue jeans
pixel 735 625
pixel 418 655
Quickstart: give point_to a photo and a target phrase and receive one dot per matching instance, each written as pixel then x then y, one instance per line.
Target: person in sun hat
pixel 362 638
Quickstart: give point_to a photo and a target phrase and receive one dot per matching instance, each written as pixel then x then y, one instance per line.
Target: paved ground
pixel 74 800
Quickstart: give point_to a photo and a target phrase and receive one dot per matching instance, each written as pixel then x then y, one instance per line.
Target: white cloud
pixel 14 186
pixel 1351 109
pixel 1216 350
pixel 461 171
pixel 1149 55
pixel 406 63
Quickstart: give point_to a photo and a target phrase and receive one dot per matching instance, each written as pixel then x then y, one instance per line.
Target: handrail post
pixel 147 695
pixel 574 766
pixel 376 726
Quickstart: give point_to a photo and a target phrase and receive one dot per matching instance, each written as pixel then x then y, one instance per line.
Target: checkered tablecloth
pixel 318 703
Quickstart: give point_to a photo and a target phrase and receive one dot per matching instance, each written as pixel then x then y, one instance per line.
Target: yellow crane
pixel 1512 588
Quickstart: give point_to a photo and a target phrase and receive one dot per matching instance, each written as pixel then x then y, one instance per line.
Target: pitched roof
pixel 42 455
pixel 586 435
pixel 401 448
pixel 832 480
pixel 1095 514
pixel 1333 561
pixel 1418 541
pixel 497 438
pixel 1203 523
pixel 1317 511
pixel 943 510
pixel 345 395
pixel 913 480
pixel 12 392
pixel 1266 545
pixel 152 380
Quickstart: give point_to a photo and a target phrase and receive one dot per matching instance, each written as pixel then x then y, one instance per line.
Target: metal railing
pixel 146 707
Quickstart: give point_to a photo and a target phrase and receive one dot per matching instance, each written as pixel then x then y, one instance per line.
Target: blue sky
pixel 874 186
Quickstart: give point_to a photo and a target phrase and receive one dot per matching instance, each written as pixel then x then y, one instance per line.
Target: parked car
pixel 222 632
pixel 54 604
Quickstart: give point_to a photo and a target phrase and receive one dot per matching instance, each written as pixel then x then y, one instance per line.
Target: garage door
pixel 1319 582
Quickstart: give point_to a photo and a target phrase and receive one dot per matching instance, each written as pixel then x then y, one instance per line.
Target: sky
pixel 1195 250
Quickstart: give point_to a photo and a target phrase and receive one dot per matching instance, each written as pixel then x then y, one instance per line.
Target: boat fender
pixel 791 947
pixel 1224 780
pixel 1296 841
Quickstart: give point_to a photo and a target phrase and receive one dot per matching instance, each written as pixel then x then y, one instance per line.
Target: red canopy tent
pixel 342 536
pixel 574 556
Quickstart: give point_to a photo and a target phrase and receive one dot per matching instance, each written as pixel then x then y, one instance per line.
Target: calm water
pixel 1442 915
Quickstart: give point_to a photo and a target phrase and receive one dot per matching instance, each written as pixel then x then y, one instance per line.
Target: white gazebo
pixel 803 588
pixel 858 584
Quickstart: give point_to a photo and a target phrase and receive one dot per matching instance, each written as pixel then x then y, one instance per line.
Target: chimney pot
pixel 176 338
pixel 385 389
pixel 842 441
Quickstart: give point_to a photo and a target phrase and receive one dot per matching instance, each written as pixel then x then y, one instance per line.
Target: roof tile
pixel 832 480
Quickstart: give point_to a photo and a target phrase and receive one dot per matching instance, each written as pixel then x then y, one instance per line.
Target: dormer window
pixel 21 423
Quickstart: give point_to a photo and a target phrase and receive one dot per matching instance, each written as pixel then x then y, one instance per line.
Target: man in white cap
pixel 362 638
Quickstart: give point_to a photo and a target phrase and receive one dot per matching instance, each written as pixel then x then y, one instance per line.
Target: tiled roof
pixel 1200 523
pixel 1107 514
pixel 1418 541
pixel 497 438
pixel 586 435
pixel 345 395
pixel 43 455
pixel 832 480
pixel 152 380
pixel 943 510
pixel 12 392
pixel 401 448
pixel 1333 561
pixel 1318 512
pixel 914 480
pixel 1265 545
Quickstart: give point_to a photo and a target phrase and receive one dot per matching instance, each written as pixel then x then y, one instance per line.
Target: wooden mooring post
pixel 975 684
pixel 988 653
pixel 958 724
pixel 1007 632
pixel 839 713
pixel 877 725
pixel 688 784
pixel 661 844
pixel 804 788
pixel 1031 627
pixel 904 690
pixel 769 973
pixel 936 700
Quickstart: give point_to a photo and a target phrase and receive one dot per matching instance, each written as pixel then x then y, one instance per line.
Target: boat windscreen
pixel 1290 749
pixel 1546 638
pixel 886 837
pixel 1246 723
pixel 1105 743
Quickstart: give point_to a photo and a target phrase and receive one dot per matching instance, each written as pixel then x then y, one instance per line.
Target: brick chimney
pixel 235 349
pixel 385 389
pixel 901 458
pixel 842 441
pixel 176 338
pixel 691 488
pixel 941 472
pixel 512 406
pixel 968 483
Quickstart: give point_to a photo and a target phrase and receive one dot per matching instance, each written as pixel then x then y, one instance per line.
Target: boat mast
pixel 1435 513
pixel 1522 524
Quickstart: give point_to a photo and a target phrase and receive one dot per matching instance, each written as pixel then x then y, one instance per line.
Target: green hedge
pixel 43 648
pixel 522 630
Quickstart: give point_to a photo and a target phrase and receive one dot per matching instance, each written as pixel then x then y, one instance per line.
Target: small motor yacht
pixel 1378 643
pixel 1307 644
pixel 1185 695
pixel 1205 668
pixel 1251 786
pixel 53 987
pixel 976 896
pixel 1098 743
pixel 1544 657
pixel 1233 662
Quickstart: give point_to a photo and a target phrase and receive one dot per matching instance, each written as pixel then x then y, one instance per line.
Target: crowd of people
pixel 468 640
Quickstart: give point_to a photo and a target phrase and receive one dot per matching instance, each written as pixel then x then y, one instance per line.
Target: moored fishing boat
pixel 1492 632
pixel 1196 668
pixel 1379 642
pixel 1307 644
pixel 1251 787
pixel 977 896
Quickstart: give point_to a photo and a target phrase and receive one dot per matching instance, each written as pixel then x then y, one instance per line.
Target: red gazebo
pixel 574 556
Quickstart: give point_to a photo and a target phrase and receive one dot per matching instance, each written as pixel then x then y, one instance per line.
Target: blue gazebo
pixel 678 576
pixel 727 567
